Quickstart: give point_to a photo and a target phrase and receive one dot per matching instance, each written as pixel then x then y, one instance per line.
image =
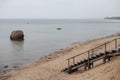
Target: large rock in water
pixel 17 35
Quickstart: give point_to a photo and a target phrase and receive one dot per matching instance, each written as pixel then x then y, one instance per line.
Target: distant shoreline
pixel 112 18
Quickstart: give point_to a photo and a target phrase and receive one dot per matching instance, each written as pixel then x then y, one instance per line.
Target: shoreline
pixel 52 57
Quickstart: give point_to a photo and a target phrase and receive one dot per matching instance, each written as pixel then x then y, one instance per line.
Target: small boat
pixel 59 28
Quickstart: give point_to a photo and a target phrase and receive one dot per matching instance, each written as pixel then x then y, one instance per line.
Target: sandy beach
pixel 49 67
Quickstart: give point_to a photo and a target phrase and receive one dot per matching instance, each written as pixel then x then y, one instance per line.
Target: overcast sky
pixel 80 9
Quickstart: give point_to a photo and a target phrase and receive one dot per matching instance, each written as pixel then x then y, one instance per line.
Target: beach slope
pixel 49 67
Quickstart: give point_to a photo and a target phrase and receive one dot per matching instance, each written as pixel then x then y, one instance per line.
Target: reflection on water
pixel 16 52
pixel 17 47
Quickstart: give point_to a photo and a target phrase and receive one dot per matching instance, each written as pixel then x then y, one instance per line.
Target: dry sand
pixel 49 67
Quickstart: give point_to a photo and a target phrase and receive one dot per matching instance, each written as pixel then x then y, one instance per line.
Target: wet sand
pixel 49 67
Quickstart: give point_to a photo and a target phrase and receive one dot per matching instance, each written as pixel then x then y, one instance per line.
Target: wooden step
pixel 85 60
pixel 70 71
pixel 65 69
pixel 71 66
pixel 101 54
pixel 97 56
pixel 114 51
pixel 93 57
pixel 107 52
pixel 118 49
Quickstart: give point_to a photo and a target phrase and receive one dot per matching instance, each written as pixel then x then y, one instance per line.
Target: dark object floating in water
pixel 5 66
pixel 15 66
pixel 59 28
pixel 17 35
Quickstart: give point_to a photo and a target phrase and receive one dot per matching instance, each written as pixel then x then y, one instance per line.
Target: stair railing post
pixel 104 59
pixel 115 43
pixel 92 52
pixel 73 60
pixel 105 47
pixel 88 54
pixel 89 59
pixel 68 63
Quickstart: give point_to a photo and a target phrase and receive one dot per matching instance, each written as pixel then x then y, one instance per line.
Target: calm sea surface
pixel 43 38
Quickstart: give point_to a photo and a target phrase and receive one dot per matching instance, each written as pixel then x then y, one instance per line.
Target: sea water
pixel 42 37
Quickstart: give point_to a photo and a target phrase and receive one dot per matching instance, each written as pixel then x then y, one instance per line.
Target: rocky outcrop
pixel 17 35
pixel 118 34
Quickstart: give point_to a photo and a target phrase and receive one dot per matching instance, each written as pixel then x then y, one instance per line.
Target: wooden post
pixel 88 54
pixel 104 59
pixel 105 47
pixel 115 43
pixel 85 67
pixel 68 63
pixel 89 60
pixel 73 60
pixel 92 52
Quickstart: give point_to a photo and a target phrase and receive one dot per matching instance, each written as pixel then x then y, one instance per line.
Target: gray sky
pixel 81 9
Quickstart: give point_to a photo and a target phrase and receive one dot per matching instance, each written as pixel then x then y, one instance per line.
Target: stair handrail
pixel 73 57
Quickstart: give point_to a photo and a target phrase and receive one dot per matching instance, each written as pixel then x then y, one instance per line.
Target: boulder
pixel 17 35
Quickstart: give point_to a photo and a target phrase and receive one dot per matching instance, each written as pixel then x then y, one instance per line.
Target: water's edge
pixel 54 55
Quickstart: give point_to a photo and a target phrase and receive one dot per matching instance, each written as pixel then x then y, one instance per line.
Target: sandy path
pixel 49 68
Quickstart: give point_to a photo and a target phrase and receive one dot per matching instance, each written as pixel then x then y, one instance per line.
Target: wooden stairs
pixel 88 62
